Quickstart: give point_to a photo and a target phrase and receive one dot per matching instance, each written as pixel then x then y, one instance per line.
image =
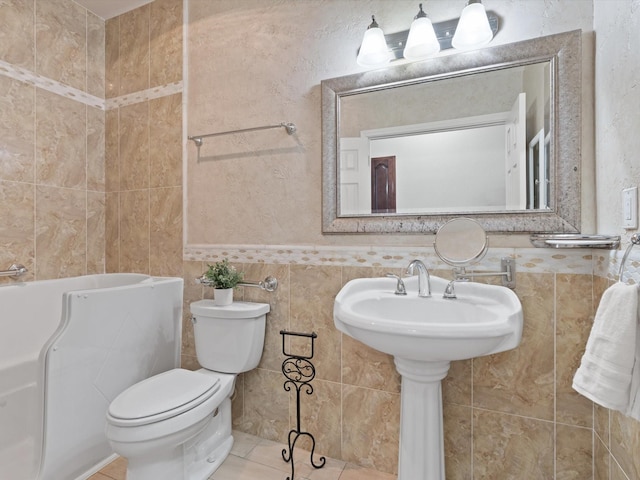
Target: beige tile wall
pixel 144 141
pixel 51 145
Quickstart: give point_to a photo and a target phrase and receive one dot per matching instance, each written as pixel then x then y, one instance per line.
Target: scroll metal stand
pixel 299 372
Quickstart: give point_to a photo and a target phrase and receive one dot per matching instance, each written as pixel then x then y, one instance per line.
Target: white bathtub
pixel 67 348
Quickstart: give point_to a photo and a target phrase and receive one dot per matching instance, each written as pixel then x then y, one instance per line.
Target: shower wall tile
pixel 96 232
pixel 17 45
pixel 134 231
pixel 165 141
pixel 17 231
pixel 111 150
pixel 17 131
pixel 573 324
pixel 61 142
pixel 521 381
pixel 134 146
pixel 165 237
pixel 112 233
pixel 61 232
pixel 95 150
pixel 511 447
pixel 95 55
pixel 312 310
pixel 61 42
pixel 134 50
pixel 370 428
pixel 165 42
pixel 112 58
pixel 574 452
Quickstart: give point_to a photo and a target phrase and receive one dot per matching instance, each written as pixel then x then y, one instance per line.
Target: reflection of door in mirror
pixel 383 185
pixel 515 155
pixel 354 178
pixel 538 173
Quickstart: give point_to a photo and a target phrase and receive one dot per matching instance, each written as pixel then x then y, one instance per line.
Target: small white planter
pixel 222 296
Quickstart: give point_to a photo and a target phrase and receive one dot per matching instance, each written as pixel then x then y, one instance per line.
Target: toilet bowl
pixel 177 425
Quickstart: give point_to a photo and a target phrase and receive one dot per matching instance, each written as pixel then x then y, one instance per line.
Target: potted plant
pixel 223 278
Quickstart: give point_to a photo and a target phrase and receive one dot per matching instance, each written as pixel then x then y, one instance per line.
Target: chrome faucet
pixel 400 288
pixel 424 279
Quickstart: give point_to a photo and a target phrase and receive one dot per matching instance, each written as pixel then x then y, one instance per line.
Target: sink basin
pixel 484 319
pixel 424 335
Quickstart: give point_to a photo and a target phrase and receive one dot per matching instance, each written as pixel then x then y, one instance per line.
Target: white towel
pixel 606 374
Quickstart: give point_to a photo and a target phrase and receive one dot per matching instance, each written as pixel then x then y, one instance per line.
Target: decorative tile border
pixel 533 260
pixel 53 86
pixel 144 95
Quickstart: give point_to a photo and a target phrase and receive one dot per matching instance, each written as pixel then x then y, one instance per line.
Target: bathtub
pixel 67 348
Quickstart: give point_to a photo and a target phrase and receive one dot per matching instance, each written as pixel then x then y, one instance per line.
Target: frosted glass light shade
pixel 373 51
pixel 422 41
pixel 473 28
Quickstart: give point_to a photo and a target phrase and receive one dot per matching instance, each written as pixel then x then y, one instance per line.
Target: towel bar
pixel 635 240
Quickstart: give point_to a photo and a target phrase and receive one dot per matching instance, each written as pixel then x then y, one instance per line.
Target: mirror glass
pixel 461 242
pixel 493 134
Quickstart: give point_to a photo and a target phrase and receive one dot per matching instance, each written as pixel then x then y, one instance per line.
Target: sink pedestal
pixel 421 434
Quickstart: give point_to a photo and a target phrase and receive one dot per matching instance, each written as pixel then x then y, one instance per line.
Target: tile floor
pixel 253 458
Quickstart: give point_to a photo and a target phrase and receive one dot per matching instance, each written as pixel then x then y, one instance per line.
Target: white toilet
pixel 177 425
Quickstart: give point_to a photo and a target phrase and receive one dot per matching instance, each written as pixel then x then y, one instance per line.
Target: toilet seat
pixel 161 397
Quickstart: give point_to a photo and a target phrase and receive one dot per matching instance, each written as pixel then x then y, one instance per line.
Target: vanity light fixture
pixel 373 51
pixel 475 28
pixel 422 41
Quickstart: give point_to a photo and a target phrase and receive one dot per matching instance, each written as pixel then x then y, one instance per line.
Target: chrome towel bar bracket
pixel 635 240
pixel 16 270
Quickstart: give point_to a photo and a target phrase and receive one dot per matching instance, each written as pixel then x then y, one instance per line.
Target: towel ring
pixel 635 240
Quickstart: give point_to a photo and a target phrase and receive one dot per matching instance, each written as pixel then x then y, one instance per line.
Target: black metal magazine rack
pixel 299 372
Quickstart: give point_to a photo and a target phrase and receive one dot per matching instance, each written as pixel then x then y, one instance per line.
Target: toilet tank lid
pixel 207 308
pixel 163 396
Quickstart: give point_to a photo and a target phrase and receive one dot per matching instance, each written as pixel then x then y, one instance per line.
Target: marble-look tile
pixel 313 291
pixel 617 473
pixel 601 423
pixel 278 316
pixel 112 150
pixel 95 150
pixel 165 141
pixel 61 232
pixel 521 381
pixel 237 403
pixel 112 233
pixel 363 366
pixel 17 233
pixel 134 146
pixel 574 318
pixel 235 468
pixel 320 412
pixel 116 469
pixel 266 405
pixel 456 386
pixel 457 442
pixel 243 443
pixel 61 142
pixel 574 452
pixel 61 42
pixel 165 239
pixel 192 293
pixel 95 55
pixel 112 57
pixel 625 443
pixel 165 42
pixel 134 231
pixel 17 103
pixel 601 460
pixel 134 50
pixel 96 232
pixel 370 428
pixel 17 39
pixel 100 476
pixel 353 472
pixel 509 447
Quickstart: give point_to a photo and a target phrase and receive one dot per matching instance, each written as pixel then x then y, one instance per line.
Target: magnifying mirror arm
pixel 508 273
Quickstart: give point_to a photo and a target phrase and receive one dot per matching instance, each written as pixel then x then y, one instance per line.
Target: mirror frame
pixel 563 50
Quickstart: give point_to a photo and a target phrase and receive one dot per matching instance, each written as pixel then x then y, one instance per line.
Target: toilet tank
pixel 230 338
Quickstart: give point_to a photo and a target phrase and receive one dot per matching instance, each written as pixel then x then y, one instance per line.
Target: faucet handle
pixel 400 288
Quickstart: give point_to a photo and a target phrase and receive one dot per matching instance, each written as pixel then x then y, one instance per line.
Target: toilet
pixel 177 425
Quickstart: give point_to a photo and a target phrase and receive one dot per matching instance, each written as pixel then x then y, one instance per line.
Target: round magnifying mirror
pixel 461 242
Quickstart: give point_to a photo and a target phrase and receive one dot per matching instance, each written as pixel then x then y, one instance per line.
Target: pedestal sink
pixel 424 335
